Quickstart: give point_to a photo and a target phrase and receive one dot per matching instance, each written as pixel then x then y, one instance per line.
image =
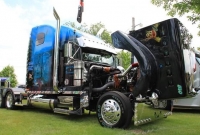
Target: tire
pixel 2 100
pixel 114 110
pixel 10 101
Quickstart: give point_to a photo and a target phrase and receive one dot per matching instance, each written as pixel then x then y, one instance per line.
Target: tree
pixel 189 7
pixel 82 27
pixel 125 58
pixel 8 71
pixel 93 30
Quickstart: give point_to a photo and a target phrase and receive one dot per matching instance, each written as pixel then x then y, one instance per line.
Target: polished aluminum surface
pixel 61 111
pixel 192 102
pixel 196 83
pixel 154 98
pixel 144 113
pixel 38 102
pixel 68 50
pixel 111 112
pixel 85 73
pixel 9 100
pixel 189 61
pixel 78 72
pixel 84 101
pixel 67 100
pixel 55 66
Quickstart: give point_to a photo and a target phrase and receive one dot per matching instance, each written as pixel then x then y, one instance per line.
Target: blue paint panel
pixel 66 33
pixel 69 69
pixel 69 75
pixel 41 61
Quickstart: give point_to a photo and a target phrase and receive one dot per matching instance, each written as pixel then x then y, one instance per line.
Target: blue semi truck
pixel 69 71
pixel 4 82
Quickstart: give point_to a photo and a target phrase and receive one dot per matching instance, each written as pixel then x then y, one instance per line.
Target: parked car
pixel 22 86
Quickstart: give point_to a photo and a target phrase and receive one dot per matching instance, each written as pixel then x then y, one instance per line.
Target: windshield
pixel 108 58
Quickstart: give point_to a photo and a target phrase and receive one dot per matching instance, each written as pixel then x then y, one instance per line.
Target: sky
pixel 19 16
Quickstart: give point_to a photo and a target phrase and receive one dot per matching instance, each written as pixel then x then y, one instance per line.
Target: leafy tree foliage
pixel 82 27
pixel 125 58
pixel 8 71
pixel 186 37
pixel 189 7
pixel 93 29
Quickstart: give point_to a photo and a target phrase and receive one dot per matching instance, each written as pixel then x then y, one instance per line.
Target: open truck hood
pixel 161 53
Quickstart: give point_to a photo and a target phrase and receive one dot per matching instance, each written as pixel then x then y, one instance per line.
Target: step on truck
pixel 69 71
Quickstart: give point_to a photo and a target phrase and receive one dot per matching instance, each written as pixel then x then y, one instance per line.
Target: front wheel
pixel 114 110
pixel 10 101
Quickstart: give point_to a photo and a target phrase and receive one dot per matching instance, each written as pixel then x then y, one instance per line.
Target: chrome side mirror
pixel 68 50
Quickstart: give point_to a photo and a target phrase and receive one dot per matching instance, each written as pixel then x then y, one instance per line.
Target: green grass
pixel 40 122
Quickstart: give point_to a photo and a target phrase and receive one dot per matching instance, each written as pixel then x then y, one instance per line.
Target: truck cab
pixel 4 82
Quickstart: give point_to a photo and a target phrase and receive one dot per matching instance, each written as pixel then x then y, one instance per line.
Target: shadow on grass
pixel 92 118
pixel 185 110
pixel 85 115
pixel 88 122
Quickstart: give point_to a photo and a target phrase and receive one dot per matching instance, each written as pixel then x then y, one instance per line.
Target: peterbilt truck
pixel 69 71
pixel 4 82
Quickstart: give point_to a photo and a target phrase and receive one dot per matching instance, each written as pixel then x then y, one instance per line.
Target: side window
pixel 2 84
pixel 40 38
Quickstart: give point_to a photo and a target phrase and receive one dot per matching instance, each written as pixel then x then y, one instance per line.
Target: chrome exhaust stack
pixel 56 48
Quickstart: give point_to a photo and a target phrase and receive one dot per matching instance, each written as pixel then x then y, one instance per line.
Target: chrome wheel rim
pixel 9 100
pixel 111 112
